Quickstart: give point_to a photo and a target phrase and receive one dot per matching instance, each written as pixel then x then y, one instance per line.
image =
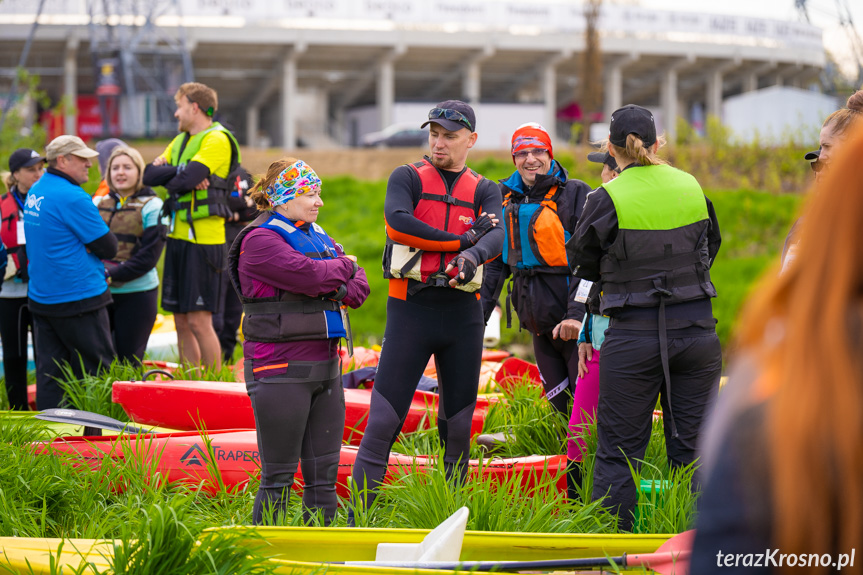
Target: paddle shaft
pixel 661 562
pixel 499 565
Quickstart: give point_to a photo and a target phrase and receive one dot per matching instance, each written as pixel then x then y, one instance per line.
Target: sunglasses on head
pixel 452 115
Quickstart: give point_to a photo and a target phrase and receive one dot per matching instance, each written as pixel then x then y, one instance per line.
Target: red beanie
pixel 531 136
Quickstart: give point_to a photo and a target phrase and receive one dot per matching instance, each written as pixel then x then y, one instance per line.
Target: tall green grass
pixel 92 392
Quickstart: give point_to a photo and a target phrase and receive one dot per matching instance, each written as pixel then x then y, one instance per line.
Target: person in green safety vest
pixel 650 236
pixel 194 168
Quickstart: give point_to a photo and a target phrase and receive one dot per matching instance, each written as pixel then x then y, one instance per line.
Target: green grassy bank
pixel 753 225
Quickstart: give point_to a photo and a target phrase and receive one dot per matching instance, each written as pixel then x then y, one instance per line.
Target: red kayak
pixel 192 405
pixel 183 457
pixel 149 364
pixel 514 372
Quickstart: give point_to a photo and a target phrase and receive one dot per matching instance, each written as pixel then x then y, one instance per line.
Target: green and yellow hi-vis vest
pixel 213 201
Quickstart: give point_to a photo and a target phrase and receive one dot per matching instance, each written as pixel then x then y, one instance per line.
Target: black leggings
pixel 132 319
pixel 557 361
pixel 298 422
pixel 14 323
pixel 441 321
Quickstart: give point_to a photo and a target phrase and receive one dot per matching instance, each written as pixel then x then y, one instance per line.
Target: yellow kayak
pixel 301 550
pixel 359 544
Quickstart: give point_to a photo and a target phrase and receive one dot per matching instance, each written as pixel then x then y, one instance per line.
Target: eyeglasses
pixel 453 115
pixel 537 153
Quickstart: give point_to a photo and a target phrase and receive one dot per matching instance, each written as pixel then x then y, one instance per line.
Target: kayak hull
pixel 301 550
pixel 192 405
pixel 186 458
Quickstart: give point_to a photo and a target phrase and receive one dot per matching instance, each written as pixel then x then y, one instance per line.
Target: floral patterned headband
pixel 295 180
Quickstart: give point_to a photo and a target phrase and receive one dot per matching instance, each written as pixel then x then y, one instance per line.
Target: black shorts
pixel 192 277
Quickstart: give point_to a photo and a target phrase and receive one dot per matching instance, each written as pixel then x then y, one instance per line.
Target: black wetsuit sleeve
pixel 714 238
pixel 193 174
pixel 144 258
pixel 495 275
pixel 158 175
pixel 574 309
pixel 595 232
pixel 488 200
pixel 403 194
pixel 104 247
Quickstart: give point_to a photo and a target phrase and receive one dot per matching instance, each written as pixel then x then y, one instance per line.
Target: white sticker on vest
pixel 583 291
pixel 19 232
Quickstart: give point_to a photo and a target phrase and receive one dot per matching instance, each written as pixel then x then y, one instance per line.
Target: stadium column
pixel 472 79
pixel 750 81
pixel 70 85
pixel 614 82
pixel 549 90
pixel 668 95
pixel 289 95
pixel 253 117
pixel 715 79
pixel 386 88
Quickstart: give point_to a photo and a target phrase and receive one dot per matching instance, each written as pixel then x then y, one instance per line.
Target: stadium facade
pixel 286 69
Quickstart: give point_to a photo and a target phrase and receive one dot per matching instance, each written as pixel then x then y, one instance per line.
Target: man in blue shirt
pixel 66 241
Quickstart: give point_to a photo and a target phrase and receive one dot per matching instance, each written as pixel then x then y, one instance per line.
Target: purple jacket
pixel 267 262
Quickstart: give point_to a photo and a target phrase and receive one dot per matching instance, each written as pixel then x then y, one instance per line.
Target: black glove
pixel 480 227
pixel 338 294
pixel 466 264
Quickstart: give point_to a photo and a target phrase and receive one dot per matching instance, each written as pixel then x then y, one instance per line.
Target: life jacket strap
pixel 447 199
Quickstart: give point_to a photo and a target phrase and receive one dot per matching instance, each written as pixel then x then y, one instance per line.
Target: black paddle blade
pixel 87 419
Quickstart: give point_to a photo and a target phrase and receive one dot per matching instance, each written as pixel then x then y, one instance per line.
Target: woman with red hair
pixel 782 454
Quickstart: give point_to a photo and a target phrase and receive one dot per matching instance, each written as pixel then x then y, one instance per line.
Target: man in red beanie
pixel 541 209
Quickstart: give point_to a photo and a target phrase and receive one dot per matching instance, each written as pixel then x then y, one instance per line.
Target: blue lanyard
pixel 17 201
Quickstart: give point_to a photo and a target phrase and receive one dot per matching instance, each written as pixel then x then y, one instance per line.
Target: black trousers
pixel 630 380
pixel 298 422
pixel 15 320
pixel 440 321
pixel 81 339
pixel 557 361
pixel 132 318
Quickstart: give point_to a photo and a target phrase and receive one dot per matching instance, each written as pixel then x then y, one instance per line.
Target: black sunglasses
pixel 453 115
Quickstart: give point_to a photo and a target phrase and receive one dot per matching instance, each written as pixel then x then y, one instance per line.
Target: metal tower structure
pixel 846 22
pixel 141 55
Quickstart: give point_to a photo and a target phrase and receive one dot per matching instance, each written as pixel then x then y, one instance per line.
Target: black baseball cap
pixel 24 158
pixel 603 158
pixel 452 115
pixel 812 156
pixel 632 119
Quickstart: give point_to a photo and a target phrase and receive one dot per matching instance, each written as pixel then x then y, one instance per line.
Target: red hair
pixel 805 328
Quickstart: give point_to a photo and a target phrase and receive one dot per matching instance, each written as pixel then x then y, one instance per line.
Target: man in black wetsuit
pixel 440 218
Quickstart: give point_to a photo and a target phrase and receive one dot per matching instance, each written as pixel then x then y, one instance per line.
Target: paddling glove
pixel 480 227
pixel 466 264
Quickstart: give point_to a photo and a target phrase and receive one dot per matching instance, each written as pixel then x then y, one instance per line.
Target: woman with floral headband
pixel 294 282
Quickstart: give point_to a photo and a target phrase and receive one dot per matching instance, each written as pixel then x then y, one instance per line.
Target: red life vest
pixel 9 211
pixel 452 211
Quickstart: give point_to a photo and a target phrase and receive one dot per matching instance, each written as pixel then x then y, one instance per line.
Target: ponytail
pixel 635 152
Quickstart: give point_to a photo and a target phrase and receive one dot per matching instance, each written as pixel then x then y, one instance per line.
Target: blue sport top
pixel 59 220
